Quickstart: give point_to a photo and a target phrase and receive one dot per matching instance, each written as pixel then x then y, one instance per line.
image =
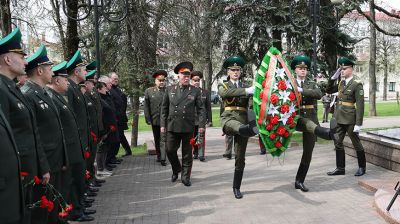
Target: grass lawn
pixel 140 150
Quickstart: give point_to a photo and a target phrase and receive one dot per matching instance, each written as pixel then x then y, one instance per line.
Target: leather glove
pixel 357 128
pixel 337 73
pixel 250 90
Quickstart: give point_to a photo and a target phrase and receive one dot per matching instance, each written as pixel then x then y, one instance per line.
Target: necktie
pixel 236 85
pixel 301 85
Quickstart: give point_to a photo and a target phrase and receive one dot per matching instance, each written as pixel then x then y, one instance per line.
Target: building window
pixel 377 86
pixel 392 68
pixel 359 68
pixel 392 86
pixel 359 49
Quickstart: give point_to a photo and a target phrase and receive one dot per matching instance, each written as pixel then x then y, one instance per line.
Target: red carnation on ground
pixel 286 135
pixel 50 206
pixel 86 155
pixel 113 128
pixel 272 136
pixel 278 144
pixel 23 174
pixel 44 202
pixel 269 127
pixel 274 120
pixel 282 85
pixel 36 180
pixel 281 131
pixel 292 96
pixel 94 136
pixel 284 108
pixel 274 99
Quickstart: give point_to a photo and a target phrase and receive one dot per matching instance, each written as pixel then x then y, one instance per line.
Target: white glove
pixel 300 89
pixel 250 90
pixel 357 128
pixel 337 73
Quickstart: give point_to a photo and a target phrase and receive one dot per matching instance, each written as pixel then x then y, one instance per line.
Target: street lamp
pixel 315 14
pixel 103 9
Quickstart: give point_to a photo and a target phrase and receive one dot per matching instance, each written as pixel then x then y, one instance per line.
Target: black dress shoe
pixel 174 177
pixel 360 172
pixel 187 183
pixel 163 163
pixel 237 193
pixel 127 154
pixel 86 205
pixel 119 160
pixel 99 181
pixel 110 165
pixel 94 184
pixel 158 159
pixel 195 156
pixel 82 218
pixel 93 189
pixel 337 171
pixel 114 162
pixel 87 211
pixel 90 194
pixel 202 159
pixel 300 185
pixel 263 152
pixel 88 200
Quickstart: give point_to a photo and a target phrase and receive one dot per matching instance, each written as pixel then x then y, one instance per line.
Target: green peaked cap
pixel 91 66
pixel 234 62
pixel 60 69
pixel 343 61
pixel 90 75
pixel 38 58
pixel 75 61
pixel 12 43
pixel 301 61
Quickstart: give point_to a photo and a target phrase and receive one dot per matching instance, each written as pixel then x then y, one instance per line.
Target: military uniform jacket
pixel 10 181
pixel 49 125
pixel 351 93
pixel 92 115
pixel 233 97
pixel 71 134
pixel 205 97
pixel 311 93
pixel 95 97
pixel 179 108
pixel 77 102
pixel 153 98
pixel 20 116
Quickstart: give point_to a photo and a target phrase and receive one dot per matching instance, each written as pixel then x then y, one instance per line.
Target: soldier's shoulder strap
pixel 225 84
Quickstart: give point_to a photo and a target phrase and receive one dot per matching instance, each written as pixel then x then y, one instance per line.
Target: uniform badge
pixel 362 92
pixel 90 104
pixel 65 107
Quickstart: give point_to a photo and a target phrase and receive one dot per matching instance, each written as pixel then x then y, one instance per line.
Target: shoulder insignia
pixel 361 92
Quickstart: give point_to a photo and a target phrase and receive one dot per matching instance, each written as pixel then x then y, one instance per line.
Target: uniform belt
pixel 236 108
pixel 307 107
pixel 346 104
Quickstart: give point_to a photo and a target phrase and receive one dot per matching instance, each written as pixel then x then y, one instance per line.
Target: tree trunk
pixel 385 75
pixel 135 114
pixel 72 38
pixel 55 4
pixel 5 17
pixel 276 33
pixel 372 66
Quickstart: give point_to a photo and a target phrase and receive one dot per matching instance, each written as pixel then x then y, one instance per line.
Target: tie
pixel 301 85
pixel 236 85
pixel 343 83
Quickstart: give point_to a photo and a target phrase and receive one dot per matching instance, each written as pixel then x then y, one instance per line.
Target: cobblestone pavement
pixel 141 190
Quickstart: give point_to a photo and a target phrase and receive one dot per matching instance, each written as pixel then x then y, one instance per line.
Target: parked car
pixel 214 97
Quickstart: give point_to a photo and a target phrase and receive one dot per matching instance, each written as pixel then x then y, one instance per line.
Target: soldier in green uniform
pixel 20 116
pixel 349 114
pixel 49 125
pixel 153 97
pixel 180 103
pixel 236 120
pixel 196 77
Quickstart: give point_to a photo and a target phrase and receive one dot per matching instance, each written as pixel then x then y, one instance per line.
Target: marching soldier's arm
pixel 225 92
pixel 359 95
pixel 332 87
pixel 164 109
pixel 314 93
pixel 201 110
pixel 147 113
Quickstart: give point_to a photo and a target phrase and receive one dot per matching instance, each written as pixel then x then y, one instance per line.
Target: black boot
pixel 340 164
pixel 237 182
pixel 247 130
pixel 325 133
pixel 300 177
pixel 361 163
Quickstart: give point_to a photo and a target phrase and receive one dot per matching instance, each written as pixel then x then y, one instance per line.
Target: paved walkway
pixel 141 190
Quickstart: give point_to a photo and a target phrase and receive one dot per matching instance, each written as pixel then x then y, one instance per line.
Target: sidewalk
pixel 141 190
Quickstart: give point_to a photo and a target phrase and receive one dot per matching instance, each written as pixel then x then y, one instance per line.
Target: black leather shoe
pixel 100 181
pixel 119 160
pixel 115 162
pixel 360 172
pixel 94 184
pixel 92 189
pixel 127 154
pixel 237 193
pixel 195 156
pixel 158 159
pixel 110 165
pixel 187 183
pixel 87 211
pixel 174 177
pixel 300 185
pixel 202 159
pixel 90 194
pixel 88 200
pixel 227 155
pixel 337 171
pixel 86 205
pixel 163 163
pixel 263 152
pixel 83 218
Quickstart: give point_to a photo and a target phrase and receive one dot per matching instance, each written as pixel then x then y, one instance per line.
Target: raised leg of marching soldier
pixel 163 148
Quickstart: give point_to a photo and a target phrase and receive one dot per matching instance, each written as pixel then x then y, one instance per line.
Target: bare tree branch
pixel 375 24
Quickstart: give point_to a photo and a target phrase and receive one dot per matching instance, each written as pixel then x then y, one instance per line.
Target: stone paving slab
pixel 141 190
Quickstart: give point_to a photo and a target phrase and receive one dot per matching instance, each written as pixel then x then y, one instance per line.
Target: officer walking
pixel 236 120
pixel 180 103
pixel 153 97
pixel 349 114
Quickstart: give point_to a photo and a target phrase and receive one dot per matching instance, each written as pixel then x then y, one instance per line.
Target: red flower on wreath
pixel 284 108
pixel 294 114
pixel 36 180
pixel 282 85
pixel 272 136
pixel 274 99
pixel 278 144
pixel 292 96
pixel 286 135
pixel 113 128
pixel 86 154
pixel 290 120
pixel 274 120
pixel 50 206
pixel 281 131
pixel 44 202
pixel 292 125
pixel 269 127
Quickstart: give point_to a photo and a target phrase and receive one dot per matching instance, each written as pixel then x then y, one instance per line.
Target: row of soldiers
pixel 50 131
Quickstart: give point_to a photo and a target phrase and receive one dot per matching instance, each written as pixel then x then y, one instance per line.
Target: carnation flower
pixel 281 131
pixel 272 136
pixel 284 108
pixel 282 85
pixel 274 99
pixel 36 180
pixel 278 144
pixel 292 96
pixel 274 120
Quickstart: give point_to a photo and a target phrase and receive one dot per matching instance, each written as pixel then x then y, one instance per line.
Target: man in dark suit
pixel 153 97
pixel 21 117
pixel 48 123
pixel 180 103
